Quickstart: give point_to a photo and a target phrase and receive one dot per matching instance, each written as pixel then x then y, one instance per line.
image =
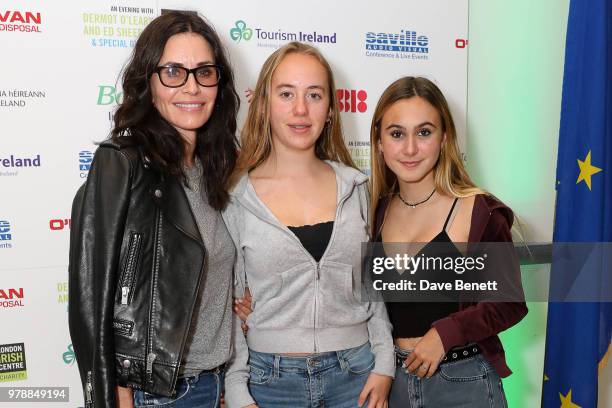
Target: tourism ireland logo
pixel 241 32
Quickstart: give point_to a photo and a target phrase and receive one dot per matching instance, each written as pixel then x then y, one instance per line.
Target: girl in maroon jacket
pixel 448 353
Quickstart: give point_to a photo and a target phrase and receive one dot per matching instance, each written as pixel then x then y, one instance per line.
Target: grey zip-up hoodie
pixel 300 305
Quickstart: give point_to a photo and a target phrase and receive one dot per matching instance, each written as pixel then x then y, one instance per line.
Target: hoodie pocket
pixel 284 300
pixel 339 307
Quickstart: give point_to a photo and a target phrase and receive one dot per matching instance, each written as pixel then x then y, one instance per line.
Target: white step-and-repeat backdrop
pixel 59 86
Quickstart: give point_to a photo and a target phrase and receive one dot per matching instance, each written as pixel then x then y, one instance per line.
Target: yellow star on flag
pixel 566 400
pixel 587 170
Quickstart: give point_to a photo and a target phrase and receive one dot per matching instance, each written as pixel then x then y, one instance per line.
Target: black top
pixel 414 319
pixel 314 237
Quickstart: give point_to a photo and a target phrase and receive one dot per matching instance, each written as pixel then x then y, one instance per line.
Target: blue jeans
pixel 201 391
pixel 331 380
pixel 469 383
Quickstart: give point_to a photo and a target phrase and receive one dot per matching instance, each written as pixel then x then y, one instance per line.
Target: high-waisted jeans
pixel 193 391
pixel 331 380
pixel 468 383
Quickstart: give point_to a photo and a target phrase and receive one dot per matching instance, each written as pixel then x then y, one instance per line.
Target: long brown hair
pixel 216 142
pixel 450 175
pixel 256 140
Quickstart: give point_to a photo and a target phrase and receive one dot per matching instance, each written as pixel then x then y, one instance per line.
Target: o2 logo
pixel 59 224
pixel 352 100
pixel 85 159
pixel 461 43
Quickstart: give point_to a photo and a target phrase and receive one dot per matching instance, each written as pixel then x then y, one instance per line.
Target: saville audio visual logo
pixel 406 44
pixel 21 21
pixel 274 38
pixel 13 362
pixel 6 235
pixel 352 100
pixel 11 297
pixel 85 159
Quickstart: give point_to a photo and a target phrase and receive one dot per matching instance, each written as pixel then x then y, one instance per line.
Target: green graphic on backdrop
pixel 241 31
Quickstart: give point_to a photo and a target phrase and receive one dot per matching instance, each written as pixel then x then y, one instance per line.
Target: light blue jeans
pixel 469 383
pixel 331 380
pixel 195 391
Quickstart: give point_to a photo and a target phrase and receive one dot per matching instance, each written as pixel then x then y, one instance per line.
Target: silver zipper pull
pixel 150 359
pixel 88 389
pixel 318 271
pixel 125 291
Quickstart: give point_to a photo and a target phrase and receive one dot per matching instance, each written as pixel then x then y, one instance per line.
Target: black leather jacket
pixel 136 262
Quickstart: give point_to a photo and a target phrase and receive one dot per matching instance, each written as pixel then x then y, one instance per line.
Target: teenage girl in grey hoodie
pixel 298 215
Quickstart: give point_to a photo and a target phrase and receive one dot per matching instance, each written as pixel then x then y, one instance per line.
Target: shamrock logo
pixel 69 356
pixel 241 31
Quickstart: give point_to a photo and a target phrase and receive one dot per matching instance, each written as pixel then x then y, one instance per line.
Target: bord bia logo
pixel 108 95
pixel 352 100
pixel 20 21
pixel 241 32
pixel 11 297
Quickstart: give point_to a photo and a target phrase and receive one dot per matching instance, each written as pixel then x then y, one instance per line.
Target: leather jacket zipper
pixel 128 280
pixel 150 355
pixel 89 391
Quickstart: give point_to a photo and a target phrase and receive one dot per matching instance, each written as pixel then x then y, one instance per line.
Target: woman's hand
pixel 375 390
pixel 427 354
pixel 125 397
pixel 242 307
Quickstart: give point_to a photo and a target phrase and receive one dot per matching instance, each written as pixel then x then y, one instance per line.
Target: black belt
pixel 456 354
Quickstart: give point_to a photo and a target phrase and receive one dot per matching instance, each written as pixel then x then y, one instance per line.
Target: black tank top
pixel 414 319
pixel 314 238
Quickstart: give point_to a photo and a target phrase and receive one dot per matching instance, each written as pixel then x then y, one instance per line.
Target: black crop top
pixel 314 238
pixel 414 319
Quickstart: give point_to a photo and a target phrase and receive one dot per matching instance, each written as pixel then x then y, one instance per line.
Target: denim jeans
pixel 468 383
pixel 201 391
pixel 331 380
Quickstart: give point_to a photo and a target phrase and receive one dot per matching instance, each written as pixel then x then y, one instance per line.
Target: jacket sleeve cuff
pixel 385 365
pixel 449 332
pixel 237 395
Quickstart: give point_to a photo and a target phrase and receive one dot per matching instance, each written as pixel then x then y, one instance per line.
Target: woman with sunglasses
pixel 150 257
pixel 448 353
pixel 298 216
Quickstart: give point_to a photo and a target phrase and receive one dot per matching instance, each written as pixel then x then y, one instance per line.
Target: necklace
pixel 413 205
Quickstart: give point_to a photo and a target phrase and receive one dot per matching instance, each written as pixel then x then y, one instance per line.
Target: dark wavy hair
pixel 216 142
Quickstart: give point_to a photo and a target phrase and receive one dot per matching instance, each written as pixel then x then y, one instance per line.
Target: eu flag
pixel 578 334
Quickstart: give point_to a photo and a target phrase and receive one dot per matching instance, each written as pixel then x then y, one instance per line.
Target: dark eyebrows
pixel 178 64
pixel 322 88
pixel 400 127
pixel 426 124
pixel 395 126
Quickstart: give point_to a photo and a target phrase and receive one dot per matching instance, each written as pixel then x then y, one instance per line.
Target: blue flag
pixel 578 334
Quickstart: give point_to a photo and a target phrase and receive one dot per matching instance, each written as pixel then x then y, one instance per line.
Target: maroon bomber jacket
pixel 480 322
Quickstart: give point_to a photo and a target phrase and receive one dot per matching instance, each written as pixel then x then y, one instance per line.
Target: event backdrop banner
pixel 60 84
